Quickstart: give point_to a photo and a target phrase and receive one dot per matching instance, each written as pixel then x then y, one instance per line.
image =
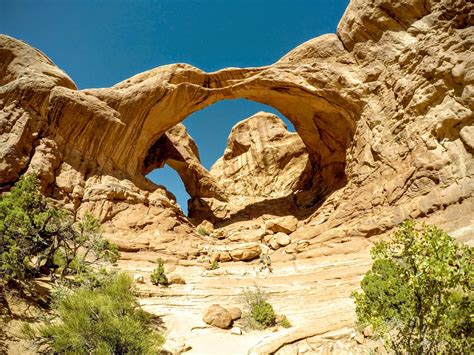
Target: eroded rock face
pixel 27 77
pixel 383 108
pixel 177 149
pixel 262 168
pixel 262 159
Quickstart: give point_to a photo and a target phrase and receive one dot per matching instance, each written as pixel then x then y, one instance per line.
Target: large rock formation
pixel 262 159
pixel 383 112
pixel 263 169
pixel 383 107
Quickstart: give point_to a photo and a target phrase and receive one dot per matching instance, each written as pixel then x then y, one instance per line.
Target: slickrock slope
pixel 314 295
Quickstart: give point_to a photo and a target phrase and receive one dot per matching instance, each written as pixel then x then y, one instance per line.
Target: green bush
pixel 214 265
pixel 418 295
pixel 38 237
pixel 103 320
pixel 27 226
pixel 260 313
pixel 158 276
pixel 284 322
pixel 263 313
pixel 36 234
pixel 202 231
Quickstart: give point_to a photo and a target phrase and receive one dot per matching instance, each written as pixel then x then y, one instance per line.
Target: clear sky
pixel 101 42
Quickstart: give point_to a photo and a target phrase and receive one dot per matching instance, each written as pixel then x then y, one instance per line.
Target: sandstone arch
pixel 136 112
pixel 263 170
pixel 389 96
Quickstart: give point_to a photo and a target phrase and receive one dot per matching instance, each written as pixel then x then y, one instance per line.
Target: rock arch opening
pixel 264 169
pixel 169 177
pixel 141 113
pixel 211 131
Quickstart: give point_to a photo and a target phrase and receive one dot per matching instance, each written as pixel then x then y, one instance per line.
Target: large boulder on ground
pixel 224 257
pixel 286 224
pixel 246 253
pixel 235 313
pixel 242 252
pixel 205 227
pixel 218 316
pixel 278 240
pixel 248 236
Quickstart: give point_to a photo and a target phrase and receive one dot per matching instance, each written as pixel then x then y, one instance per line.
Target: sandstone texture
pixel 262 168
pixel 383 113
pixel 218 316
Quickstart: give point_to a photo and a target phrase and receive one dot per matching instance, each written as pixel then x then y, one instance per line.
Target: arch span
pixel 320 102
pixel 319 97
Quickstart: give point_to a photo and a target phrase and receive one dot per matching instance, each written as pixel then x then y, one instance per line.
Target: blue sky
pixel 101 42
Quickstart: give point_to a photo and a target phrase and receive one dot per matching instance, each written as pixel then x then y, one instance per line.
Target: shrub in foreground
pixel 36 235
pixel 102 320
pixel 214 265
pixel 284 322
pixel 418 294
pixel 202 231
pixel 260 313
pixel 158 276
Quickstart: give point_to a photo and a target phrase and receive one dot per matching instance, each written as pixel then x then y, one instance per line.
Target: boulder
pixel 214 257
pixel 248 236
pixel 368 331
pixel 246 253
pixel 286 224
pixel 359 338
pixel 235 313
pixel 273 243
pixel 177 280
pixel 218 316
pixel 224 256
pixel 282 239
pixel 206 226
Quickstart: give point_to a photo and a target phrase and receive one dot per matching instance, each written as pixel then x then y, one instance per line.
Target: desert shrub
pixel 418 295
pixel 102 320
pixel 284 322
pixel 158 276
pixel 214 265
pixel 263 313
pixel 259 313
pixel 36 234
pixel 202 231
pixel 28 225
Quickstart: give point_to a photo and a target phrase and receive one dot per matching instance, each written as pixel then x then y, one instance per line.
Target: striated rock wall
pixel 383 108
pixel 262 159
pixel 410 157
pixel 263 169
